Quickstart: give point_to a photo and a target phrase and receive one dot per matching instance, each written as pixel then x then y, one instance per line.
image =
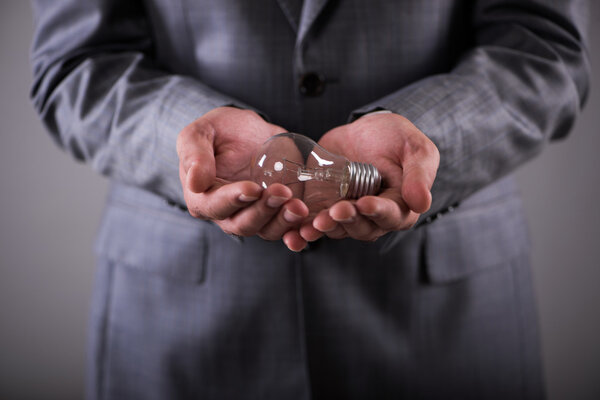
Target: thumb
pixel 417 179
pixel 416 190
pixel 196 155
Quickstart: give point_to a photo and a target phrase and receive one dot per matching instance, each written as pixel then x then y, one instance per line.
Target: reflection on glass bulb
pixel 315 176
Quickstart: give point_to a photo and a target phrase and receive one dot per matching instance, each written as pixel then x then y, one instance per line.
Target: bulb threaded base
pixel 364 180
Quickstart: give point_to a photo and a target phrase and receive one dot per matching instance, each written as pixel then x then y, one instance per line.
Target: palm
pixel 237 138
pixel 378 150
pixel 233 156
pixel 404 156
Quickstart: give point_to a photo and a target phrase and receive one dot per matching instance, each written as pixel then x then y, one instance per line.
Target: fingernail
pixel 276 201
pixel 246 198
pixel 291 217
pixel 345 221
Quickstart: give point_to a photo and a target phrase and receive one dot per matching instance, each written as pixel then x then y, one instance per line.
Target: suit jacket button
pixel 311 84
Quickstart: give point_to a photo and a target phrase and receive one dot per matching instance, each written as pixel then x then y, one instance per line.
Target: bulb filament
pixel 303 174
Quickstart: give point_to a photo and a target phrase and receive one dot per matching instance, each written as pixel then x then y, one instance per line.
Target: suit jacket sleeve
pixel 100 94
pixel 520 85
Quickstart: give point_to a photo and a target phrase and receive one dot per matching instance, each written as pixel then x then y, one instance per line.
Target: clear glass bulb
pixel 316 176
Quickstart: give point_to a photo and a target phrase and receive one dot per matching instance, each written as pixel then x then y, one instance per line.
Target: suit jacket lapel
pixel 301 14
pixel 310 11
pixel 292 10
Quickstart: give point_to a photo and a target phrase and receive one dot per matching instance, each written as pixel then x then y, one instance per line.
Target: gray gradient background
pixel 50 208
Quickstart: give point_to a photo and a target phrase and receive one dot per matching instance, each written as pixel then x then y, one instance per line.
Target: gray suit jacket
pixel 183 311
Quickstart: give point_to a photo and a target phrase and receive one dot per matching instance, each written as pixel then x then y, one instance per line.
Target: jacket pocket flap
pixel 475 239
pixel 154 241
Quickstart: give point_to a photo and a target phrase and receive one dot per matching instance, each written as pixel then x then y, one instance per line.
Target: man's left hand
pixel 407 160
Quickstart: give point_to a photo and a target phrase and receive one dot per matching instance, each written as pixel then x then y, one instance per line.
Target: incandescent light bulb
pixel 316 176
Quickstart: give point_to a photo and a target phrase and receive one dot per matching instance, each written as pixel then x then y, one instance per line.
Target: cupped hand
pixel 214 155
pixel 407 160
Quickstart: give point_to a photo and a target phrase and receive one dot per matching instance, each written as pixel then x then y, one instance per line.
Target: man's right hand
pixel 214 158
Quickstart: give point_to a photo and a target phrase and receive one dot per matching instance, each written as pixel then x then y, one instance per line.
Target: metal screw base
pixel 364 180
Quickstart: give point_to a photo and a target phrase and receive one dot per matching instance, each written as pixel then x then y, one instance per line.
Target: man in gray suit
pixel 169 99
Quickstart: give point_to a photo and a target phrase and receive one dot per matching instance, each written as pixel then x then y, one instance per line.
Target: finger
pixel 196 155
pixel 222 202
pixel 323 222
pixel 290 216
pixel 331 228
pixel 415 190
pixel 342 212
pixel 420 163
pixel 294 241
pixel 309 233
pixel 389 214
pixel 355 225
pixel 250 220
pixel 337 233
